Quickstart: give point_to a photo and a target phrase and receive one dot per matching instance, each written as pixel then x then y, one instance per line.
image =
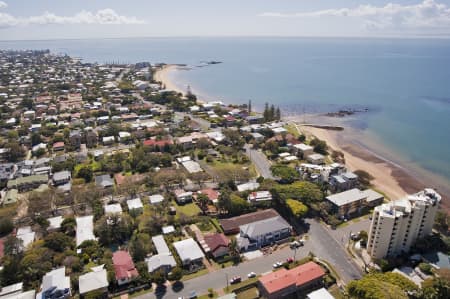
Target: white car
pixel 251 275
pixel 277 265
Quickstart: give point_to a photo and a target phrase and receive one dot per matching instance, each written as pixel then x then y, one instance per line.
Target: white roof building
pixel 97 279
pixel 113 209
pixel 85 229
pixel 26 235
pixel 250 186
pixel 134 204
pixel 55 222
pixel 259 196
pixel 188 251
pixel 55 278
pixel 160 244
pixel 320 294
pixel 157 261
pixel 156 199
pixel 168 229
pixel 216 136
pixel 192 166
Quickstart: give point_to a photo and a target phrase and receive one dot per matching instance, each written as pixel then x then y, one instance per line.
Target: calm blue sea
pixel 405 83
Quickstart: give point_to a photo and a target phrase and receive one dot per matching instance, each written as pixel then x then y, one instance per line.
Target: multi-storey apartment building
pixel 398 224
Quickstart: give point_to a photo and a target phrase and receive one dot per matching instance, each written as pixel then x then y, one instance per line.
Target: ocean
pixel 403 83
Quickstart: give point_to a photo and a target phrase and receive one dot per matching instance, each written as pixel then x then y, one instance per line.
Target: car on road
pixel 235 279
pixel 296 244
pixel 290 260
pixel 192 295
pixel 251 275
pixel 277 265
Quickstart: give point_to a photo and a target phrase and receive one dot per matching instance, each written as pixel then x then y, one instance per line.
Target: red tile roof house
pixel 124 267
pixel 58 146
pixel 283 283
pixel 212 194
pixel 216 244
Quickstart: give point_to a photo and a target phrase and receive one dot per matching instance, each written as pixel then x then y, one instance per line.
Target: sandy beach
pixel 162 75
pixel 389 178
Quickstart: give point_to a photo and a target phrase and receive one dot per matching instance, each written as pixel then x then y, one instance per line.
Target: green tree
pixel 238 205
pixel 441 221
pixel 85 172
pixel 113 229
pixel 320 146
pixel 140 246
pixel 203 202
pixel 297 208
pixel 176 274
pixel 286 174
pixel 158 277
pixel 58 242
pixel 6 226
pixel 68 226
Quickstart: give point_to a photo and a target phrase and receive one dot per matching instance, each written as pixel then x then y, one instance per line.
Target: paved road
pixel 342 234
pixel 261 162
pixel 325 246
pixel 218 279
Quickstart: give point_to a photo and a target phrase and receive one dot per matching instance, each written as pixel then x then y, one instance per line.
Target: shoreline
pixel 390 177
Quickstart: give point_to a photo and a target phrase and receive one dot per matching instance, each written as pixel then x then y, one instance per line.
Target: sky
pixel 55 19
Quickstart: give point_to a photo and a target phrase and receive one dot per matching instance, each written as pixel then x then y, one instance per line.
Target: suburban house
pixel 54 223
pixel 284 283
pixel 250 186
pixel 353 201
pixel 192 166
pixel 262 233
pixel 303 150
pixel 108 140
pixel 315 159
pixel 156 199
pixel 212 194
pixel 26 235
pixel 182 196
pixel 75 139
pixel 85 229
pixel 344 181
pixel 91 139
pixel 58 146
pixel 27 183
pixel 231 225
pixel 16 291
pixel 216 245
pixel 55 284
pixel 104 181
pixel 321 293
pixel 259 197
pixel 124 267
pixel 114 208
pixel 189 252
pixel 97 280
pixel 62 178
pixel 135 204
pixel 161 262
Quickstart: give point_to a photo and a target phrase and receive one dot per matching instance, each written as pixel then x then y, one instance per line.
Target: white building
pixel 398 224
pixel 156 199
pixel 85 229
pixel 259 196
pixel 192 166
pixel 58 280
pixel 113 208
pixel 134 204
pixel 95 280
pixel 189 251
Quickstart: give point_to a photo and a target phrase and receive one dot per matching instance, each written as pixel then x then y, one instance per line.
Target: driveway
pixel 261 162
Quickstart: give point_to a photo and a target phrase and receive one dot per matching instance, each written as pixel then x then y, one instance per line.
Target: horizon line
pixel 239 36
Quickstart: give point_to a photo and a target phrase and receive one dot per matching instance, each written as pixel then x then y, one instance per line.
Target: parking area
pixel 343 232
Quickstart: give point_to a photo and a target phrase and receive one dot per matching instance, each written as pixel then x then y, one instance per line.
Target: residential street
pixel 326 247
pixel 261 163
pixel 218 279
pixel 320 242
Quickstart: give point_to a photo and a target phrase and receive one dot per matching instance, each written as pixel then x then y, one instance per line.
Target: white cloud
pixel 103 17
pixel 3 4
pixel 427 14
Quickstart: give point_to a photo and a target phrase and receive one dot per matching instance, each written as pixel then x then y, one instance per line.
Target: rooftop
pixel 188 250
pixel 234 223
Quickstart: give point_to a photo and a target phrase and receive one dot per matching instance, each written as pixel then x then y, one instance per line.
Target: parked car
pixel 251 275
pixel 277 265
pixel 290 260
pixel 296 244
pixel 192 295
pixel 235 279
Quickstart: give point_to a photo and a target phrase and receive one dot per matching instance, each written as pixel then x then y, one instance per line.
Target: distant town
pixel 113 186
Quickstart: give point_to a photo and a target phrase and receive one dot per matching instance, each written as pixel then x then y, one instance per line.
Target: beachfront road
pixel 261 162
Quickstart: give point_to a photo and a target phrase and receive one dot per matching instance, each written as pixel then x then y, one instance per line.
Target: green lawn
pixel 190 209
pixel 292 129
pixel 233 287
pixel 248 294
pixel 194 275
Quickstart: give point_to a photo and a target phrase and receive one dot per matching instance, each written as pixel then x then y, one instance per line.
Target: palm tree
pixel 234 250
